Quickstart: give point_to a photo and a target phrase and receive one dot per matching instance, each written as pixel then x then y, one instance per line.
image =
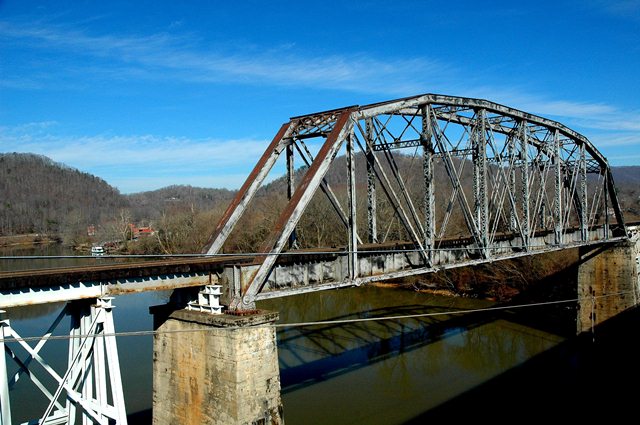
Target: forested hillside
pixel 627 180
pixel 41 196
pixel 151 205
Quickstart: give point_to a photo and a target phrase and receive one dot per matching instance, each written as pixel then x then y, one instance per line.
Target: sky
pixel 146 94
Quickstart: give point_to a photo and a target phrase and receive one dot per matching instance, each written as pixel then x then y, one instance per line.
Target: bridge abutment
pixel 607 282
pixel 215 369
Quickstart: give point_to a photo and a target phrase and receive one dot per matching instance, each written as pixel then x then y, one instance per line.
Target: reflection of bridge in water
pixel 515 183
pixel 312 354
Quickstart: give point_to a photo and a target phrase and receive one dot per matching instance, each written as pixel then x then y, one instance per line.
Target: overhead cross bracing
pixel 495 183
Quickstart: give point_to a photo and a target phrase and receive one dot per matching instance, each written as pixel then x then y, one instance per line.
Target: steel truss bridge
pixel 521 184
pixel 469 181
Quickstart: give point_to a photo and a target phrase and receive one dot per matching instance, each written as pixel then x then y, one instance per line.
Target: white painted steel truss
pixel 498 170
pixel 89 391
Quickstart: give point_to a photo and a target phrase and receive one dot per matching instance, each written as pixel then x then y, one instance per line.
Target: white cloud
pixel 628 9
pixel 588 115
pixel 180 57
pixel 183 58
pixel 135 163
pixel 616 139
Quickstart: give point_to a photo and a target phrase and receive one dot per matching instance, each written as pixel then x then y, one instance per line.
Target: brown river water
pixel 516 364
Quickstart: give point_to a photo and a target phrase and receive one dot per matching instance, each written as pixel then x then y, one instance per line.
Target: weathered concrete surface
pixel 216 369
pixel 607 283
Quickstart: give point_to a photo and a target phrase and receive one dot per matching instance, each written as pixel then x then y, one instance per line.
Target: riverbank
pixel 28 241
pixel 500 281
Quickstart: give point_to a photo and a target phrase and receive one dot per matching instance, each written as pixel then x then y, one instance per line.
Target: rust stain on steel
pixel 292 212
pixel 285 217
pixel 125 289
pixel 242 193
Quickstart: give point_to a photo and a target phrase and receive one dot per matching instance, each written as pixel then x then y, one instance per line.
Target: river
pixel 454 365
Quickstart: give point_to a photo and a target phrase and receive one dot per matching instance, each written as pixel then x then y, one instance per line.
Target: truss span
pixel 499 181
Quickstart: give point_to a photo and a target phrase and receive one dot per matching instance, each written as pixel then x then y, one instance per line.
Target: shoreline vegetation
pixel 35 240
pixel 29 240
pixel 503 281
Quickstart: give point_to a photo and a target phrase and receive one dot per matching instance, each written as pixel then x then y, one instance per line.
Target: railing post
pixel 606 205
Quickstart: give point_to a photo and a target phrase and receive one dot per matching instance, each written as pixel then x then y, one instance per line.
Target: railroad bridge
pixel 460 181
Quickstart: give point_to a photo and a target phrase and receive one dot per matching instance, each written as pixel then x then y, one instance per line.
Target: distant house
pixel 145 231
pixel 137 232
pixel 91 230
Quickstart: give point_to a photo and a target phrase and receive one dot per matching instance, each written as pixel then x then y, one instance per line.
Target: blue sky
pixel 146 94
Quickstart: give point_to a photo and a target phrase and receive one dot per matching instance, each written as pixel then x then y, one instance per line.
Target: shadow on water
pixel 311 355
pixel 143 417
pixel 589 377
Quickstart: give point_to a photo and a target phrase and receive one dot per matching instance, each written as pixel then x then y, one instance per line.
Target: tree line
pixel 42 196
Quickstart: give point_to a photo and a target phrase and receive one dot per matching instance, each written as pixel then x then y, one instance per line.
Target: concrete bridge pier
pixel 213 368
pixel 607 282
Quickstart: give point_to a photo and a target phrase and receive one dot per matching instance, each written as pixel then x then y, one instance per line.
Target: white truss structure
pixel 89 391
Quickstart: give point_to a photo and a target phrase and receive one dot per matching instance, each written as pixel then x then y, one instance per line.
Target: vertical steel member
pixel 372 213
pixel 293 238
pixel 511 149
pixel 111 351
pixel 583 195
pixel 526 198
pixel 5 404
pixel 351 192
pixel 479 146
pixel 429 194
pixel 606 204
pixel 557 211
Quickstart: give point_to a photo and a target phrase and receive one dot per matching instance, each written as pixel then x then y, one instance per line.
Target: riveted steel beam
pixel 524 173
pixel 352 236
pixel 557 210
pixel 291 186
pixel 372 202
pixel 479 145
pixel 429 190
